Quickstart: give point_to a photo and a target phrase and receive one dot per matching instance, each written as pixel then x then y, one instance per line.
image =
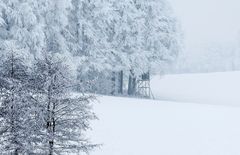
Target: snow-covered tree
pixel 117 38
pixel 65 117
pixel 15 101
pixel 161 33
pixel 120 32
pixel 21 22
pixel 157 39
pixel 87 39
pixel 55 19
pixel 37 112
pixel 22 38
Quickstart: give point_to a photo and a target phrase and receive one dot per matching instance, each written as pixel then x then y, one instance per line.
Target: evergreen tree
pixel 158 40
pixel 21 22
pixel 161 33
pixel 55 15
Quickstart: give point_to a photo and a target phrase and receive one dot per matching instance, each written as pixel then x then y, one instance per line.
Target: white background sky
pixel 208 21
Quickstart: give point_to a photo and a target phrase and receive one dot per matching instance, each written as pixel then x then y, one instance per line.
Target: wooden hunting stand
pixel 143 86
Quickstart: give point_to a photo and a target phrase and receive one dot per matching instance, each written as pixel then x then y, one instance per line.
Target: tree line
pixel 49 48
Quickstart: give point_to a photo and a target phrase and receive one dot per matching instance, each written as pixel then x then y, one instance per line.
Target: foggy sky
pixel 208 21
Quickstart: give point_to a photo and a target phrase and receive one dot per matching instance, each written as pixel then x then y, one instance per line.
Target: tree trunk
pixel 50 147
pixel 132 84
pixel 50 113
pixel 120 80
pixel 113 85
pixel 13 127
pixel 53 125
pixel 16 152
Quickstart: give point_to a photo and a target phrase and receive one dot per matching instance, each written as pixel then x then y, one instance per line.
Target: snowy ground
pixel 173 127
pixel 211 88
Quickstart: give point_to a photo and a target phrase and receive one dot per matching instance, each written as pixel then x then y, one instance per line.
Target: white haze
pixel 208 21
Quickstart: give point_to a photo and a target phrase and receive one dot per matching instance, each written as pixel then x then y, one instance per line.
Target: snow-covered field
pixel 212 88
pixel 200 117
